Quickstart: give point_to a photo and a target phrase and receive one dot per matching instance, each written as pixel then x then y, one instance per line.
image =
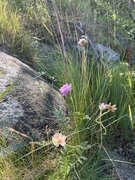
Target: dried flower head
pixel 82 42
pixel 110 107
pixel 65 89
pixel 59 139
pixel 102 106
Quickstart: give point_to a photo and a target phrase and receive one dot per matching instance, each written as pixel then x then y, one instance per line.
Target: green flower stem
pixel 99 121
pixel 78 146
pixel 77 124
pixel 84 70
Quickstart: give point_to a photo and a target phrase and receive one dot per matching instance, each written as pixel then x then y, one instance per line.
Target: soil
pixel 122 158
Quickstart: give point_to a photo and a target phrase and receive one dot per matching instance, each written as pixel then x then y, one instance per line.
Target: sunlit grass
pixel 10 24
pixel 7 169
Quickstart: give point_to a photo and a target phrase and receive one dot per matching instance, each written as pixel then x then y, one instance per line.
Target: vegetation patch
pixel 58 38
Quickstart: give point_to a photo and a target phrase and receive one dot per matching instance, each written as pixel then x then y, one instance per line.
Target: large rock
pixel 106 54
pixel 28 107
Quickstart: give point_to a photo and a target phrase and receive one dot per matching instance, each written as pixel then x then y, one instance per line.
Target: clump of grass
pixel 7 169
pixel 93 83
pixel 13 37
pixel 10 24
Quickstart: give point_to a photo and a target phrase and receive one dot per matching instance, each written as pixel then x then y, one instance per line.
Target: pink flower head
pixel 102 106
pixel 59 139
pixel 110 107
pixel 65 89
pixel 82 42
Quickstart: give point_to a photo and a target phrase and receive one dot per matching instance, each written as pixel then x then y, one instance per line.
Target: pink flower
pixel 59 139
pixel 65 89
pixel 111 107
pixel 82 42
pixel 102 106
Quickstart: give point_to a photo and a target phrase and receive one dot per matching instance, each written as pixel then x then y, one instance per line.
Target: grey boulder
pixel 28 106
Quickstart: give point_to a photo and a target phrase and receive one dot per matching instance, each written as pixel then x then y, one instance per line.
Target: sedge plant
pixel 93 83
